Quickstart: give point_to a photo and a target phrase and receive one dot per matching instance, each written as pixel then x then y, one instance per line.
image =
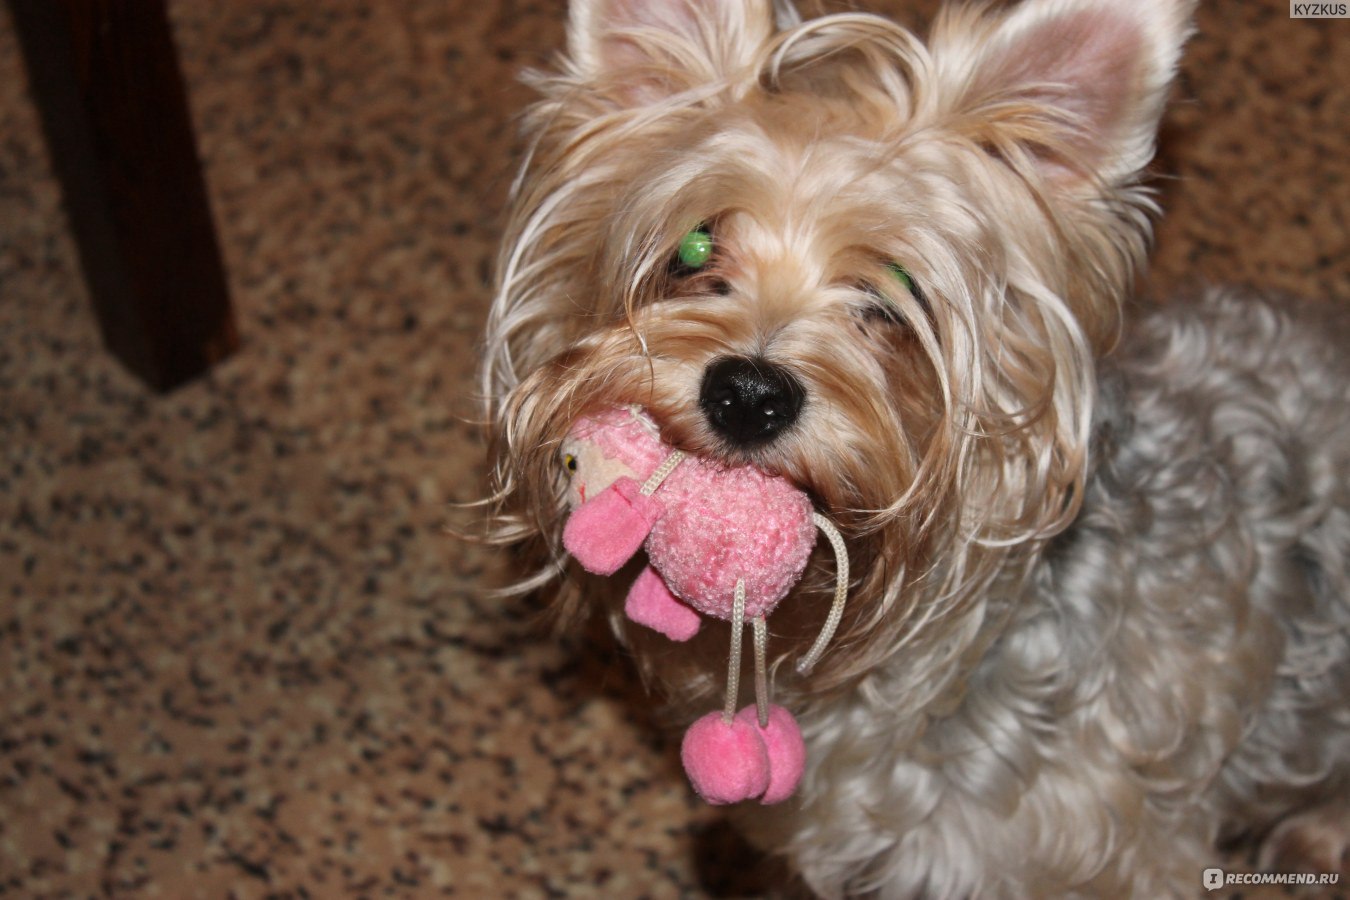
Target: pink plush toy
pixel 726 542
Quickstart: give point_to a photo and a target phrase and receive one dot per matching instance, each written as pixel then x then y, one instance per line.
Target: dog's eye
pixel 902 275
pixel 695 249
pixel 907 282
pixel 693 260
pixel 885 310
pixel 569 462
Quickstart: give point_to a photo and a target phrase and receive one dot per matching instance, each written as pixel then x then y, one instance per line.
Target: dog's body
pixel 1172 671
pixel 1101 615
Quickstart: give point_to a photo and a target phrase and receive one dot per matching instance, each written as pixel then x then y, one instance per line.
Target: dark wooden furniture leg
pixel 105 77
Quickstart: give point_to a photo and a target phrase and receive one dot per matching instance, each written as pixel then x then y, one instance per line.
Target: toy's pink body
pixel 706 528
pixel 714 525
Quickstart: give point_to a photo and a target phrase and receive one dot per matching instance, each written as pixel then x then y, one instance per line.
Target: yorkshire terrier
pixel 1098 622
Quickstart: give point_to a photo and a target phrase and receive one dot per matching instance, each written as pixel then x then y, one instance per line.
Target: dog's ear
pixel 1076 85
pixel 647 50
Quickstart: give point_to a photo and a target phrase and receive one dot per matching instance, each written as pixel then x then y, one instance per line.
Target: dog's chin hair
pixel 952 432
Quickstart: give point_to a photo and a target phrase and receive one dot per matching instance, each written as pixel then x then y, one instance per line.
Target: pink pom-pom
pixel 785 748
pixel 725 762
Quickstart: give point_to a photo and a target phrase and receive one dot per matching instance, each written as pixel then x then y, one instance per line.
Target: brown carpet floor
pixel 239 655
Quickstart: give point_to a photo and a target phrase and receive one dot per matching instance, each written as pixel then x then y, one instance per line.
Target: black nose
pixel 749 401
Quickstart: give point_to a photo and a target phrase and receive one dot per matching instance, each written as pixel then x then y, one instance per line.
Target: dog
pixel 1098 621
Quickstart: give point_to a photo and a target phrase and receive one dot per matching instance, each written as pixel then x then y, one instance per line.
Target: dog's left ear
pixel 1077 84
pixel 647 50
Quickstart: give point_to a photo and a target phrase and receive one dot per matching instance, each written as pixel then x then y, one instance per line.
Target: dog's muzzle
pixel 749 401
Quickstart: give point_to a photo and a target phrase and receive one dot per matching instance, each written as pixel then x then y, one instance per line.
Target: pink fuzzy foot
pixel 786 751
pixel 725 762
pixel 651 603
pixel 604 532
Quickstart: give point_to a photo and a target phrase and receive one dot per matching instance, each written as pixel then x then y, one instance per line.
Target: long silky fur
pixel 1099 618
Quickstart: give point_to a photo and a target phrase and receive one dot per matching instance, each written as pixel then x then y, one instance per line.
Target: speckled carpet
pixel 239 654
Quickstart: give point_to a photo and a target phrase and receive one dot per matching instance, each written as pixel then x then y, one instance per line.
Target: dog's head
pixel 878 267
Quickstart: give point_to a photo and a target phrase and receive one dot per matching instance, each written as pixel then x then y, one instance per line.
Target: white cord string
pixel 734 666
pixel 667 466
pixel 808 662
pixel 761 670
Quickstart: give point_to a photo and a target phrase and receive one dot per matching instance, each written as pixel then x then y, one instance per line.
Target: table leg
pixel 105 77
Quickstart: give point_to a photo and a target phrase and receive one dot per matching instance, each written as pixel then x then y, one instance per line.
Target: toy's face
pixel 588 470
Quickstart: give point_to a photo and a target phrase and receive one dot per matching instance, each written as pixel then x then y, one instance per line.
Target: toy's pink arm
pixel 651 603
pixel 605 531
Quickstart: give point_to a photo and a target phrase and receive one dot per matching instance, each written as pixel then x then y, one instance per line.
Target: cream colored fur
pixel 1100 618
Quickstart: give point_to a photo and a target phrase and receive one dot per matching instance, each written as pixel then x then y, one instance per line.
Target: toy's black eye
pixel 569 462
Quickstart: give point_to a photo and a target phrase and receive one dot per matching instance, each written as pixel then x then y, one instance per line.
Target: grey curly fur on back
pixel 1183 649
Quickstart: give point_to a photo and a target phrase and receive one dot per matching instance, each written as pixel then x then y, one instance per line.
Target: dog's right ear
pixel 645 51
pixel 1078 83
